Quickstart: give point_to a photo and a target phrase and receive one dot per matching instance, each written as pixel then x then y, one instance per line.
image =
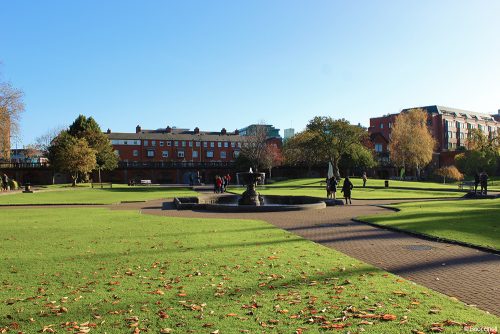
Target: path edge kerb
pixel 424 235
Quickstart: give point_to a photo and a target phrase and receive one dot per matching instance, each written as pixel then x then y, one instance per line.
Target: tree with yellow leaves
pixel 411 144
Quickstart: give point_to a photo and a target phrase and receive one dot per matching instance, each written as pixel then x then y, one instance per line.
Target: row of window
pixel 177 143
pixel 462 125
pixel 382 125
pixel 181 154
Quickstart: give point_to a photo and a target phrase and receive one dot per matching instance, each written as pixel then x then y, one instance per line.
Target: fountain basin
pixel 272 203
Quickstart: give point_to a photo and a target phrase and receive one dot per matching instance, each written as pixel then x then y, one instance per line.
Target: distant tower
pixel 289 133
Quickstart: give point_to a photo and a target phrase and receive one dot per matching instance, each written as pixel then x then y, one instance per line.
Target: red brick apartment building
pixel 172 155
pixel 449 126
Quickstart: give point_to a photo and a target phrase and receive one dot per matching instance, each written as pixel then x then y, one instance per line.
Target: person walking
pixel 346 189
pixel 364 179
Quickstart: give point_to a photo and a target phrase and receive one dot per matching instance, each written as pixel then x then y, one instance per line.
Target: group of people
pixel 220 183
pixel 331 188
pixel 5 182
pixel 482 180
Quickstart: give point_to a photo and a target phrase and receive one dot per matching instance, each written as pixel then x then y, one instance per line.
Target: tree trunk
pixel 270 176
pixel 99 169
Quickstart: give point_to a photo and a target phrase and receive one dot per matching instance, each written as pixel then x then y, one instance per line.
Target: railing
pixel 23 165
pixel 176 164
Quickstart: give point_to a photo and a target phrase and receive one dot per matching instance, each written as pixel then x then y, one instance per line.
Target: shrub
pixel 13 185
pixel 450 172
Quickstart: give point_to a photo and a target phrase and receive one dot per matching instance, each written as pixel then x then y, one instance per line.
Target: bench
pixel 145 182
pixel 466 184
pixel 101 184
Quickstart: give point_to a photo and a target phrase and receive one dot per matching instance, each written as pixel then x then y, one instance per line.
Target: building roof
pixel 177 135
pixel 441 110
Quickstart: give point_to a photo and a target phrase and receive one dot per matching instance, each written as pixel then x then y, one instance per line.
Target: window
pixel 223 154
pixel 161 143
pixel 135 153
pixel 146 143
pixel 153 143
pixel 169 143
pixel 125 142
pixel 390 125
pixel 458 125
pixel 195 154
pixel 239 144
pixel 205 144
pixel 462 135
pixel 378 148
pixel 219 144
pixel 212 144
pixel 449 134
pixel 151 153
pixel 226 144
pixel 176 143
pixel 236 154
pixel 180 154
pixel 381 125
pixel 164 154
pixel 190 144
pixel 183 143
pixel 210 154
pixel 233 144
pixel 198 144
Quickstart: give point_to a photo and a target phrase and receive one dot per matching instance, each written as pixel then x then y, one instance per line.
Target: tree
pixel 335 139
pixel 411 144
pixel 72 155
pixel 254 149
pixel 11 108
pixel 483 153
pixel 301 150
pixel 450 172
pixel 272 158
pixel 88 129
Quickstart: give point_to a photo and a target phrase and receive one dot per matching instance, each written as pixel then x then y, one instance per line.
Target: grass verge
pixel 78 269
pixel 84 195
pixel 470 221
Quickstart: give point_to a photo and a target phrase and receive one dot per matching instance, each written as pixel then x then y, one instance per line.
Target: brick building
pixel 449 126
pixel 176 154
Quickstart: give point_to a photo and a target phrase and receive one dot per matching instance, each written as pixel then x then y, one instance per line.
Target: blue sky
pixel 216 64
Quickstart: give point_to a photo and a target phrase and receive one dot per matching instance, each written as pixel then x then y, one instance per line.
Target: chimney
pixel 109 131
pixel 223 131
pixel 196 130
pixel 137 129
pixel 236 132
pixel 169 129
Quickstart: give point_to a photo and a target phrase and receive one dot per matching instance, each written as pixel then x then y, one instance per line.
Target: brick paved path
pixel 467 274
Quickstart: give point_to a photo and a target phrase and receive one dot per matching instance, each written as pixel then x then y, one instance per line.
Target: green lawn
pixel 117 271
pixel 358 182
pixel 85 195
pixel 472 221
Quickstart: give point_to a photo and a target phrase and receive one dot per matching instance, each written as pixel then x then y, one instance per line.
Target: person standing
pixel 484 183
pixel 328 194
pixel 476 182
pixel 346 189
pixel 5 182
pixel 364 179
pixel 333 187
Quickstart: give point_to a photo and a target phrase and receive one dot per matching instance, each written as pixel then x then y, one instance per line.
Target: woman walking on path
pixel 333 187
pixel 346 189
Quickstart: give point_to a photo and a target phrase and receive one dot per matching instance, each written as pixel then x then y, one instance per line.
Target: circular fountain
pixel 250 200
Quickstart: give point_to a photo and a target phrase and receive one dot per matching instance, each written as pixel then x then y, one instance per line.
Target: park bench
pixel 466 184
pixel 101 184
pixel 145 182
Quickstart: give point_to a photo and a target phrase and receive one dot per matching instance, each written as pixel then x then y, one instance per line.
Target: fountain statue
pixel 251 196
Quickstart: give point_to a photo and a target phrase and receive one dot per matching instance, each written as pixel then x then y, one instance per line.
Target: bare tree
pixel 11 108
pixel 43 142
pixel 255 147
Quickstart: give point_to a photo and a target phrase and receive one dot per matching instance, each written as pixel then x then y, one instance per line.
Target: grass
pixel 85 195
pixel 375 190
pixel 472 221
pixel 122 272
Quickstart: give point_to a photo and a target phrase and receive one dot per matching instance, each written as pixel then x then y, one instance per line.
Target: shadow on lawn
pixel 483 223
